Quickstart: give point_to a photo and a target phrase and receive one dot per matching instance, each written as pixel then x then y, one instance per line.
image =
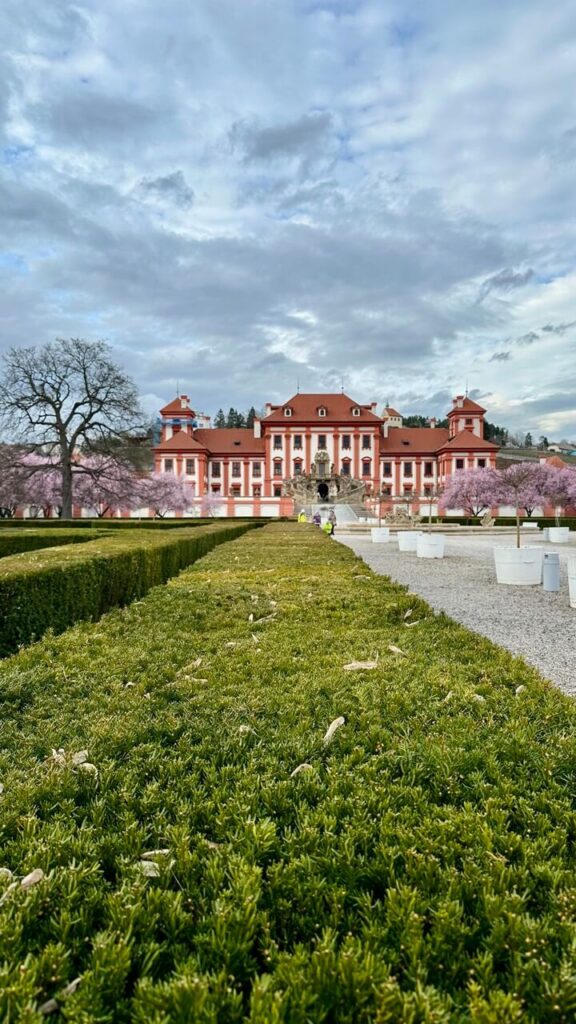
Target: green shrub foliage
pixel 60 586
pixel 13 542
pixel 419 869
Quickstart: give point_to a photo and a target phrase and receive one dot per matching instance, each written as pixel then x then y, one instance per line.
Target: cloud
pixel 170 187
pixel 302 137
pixel 505 281
pixel 500 357
pixel 266 192
pixel 558 328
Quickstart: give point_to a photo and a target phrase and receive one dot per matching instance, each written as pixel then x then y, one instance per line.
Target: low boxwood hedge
pixel 18 541
pixel 59 586
pixel 184 838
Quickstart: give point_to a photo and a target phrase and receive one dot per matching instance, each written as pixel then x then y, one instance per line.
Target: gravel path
pixel 539 626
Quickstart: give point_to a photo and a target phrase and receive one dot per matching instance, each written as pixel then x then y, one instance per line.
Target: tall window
pixel 190 467
pixel 256 491
pixel 277 492
pixel 298 440
pixel 322 441
pixel 407 469
pixel 366 467
pixel 277 442
pixel 256 469
pixel 428 469
pixel 297 467
pixel 481 463
pixel 366 441
pixel 168 465
pixel 459 463
pixel 236 469
pixel 386 469
pixel 216 469
pixel 345 468
pixel 346 441
pixel 277 467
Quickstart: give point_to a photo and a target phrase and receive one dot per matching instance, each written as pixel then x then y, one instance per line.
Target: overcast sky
pixel 240 195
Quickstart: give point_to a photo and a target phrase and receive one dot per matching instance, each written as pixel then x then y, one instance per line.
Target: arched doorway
pixel 323 491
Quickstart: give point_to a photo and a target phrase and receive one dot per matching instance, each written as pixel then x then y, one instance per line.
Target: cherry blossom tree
pixel 105 485
pixel 164 493
pixel 522 485
pixel 559 488
pixel 472 491
pixel 65 397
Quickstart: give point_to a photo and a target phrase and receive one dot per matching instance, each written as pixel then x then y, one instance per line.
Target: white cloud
pixel 306 188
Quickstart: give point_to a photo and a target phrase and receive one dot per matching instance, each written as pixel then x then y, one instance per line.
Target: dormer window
pixel 287 411
pixel 355 411
pixel 322 411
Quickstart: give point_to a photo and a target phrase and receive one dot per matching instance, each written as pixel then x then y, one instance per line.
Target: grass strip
pixel 190 841
pixel 53 588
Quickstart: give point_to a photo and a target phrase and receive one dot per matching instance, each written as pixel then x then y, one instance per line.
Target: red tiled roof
pixel 556 461
pixel 233 441
pixel 412 440
pixel 175 407
pixel 180 442
pixel 305 410
pixel 467 441
pixel 467 406
pixel 391 412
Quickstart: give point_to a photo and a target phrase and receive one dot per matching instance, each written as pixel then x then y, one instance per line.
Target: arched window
pixel 287 411
pixel 297 467
pixel 322 411
pixel 366 467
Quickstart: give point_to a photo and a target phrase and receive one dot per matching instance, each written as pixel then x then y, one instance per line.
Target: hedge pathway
pixel 280 789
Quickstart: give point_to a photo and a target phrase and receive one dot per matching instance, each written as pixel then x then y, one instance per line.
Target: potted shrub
pixel 519 485
pixel 430 545
pixel 559 491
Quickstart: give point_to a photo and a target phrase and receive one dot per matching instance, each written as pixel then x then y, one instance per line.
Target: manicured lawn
pixel 420 868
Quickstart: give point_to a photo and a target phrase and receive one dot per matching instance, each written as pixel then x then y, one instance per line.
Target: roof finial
pixel 177 388
pixel 466 392
pixel 342 385
pixel 297 385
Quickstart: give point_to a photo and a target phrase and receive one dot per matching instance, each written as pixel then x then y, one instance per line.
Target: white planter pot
pixel 572 581
pixel 380 534
pixel 559 534
pixel 519 567
pixel 408 539
pixel 430 545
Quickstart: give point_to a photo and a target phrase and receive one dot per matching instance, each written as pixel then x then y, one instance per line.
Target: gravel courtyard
pixel 539 626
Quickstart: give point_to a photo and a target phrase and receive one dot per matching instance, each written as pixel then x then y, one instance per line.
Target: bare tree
pixel 64 400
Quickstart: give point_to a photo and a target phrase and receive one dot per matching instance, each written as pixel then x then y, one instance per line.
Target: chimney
pixel 432 421
pixel 257 428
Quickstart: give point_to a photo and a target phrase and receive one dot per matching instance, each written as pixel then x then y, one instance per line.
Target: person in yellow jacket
pixel 328 528
pixel 302 517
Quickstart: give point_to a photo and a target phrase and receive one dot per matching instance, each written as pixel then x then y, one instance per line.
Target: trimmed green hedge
pixel 97 524
pixel 31 540
pixel 507 520
pixel 218 861
pixel 55 588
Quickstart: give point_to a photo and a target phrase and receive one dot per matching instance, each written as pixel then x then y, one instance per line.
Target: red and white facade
pixel 247 471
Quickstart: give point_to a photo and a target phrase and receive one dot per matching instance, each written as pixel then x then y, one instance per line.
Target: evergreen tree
pixel 231 417
pixel 543 443
pixel 240 420
pixel 251 416
pixel 499 435
pixel 528 440
pixel 220 419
